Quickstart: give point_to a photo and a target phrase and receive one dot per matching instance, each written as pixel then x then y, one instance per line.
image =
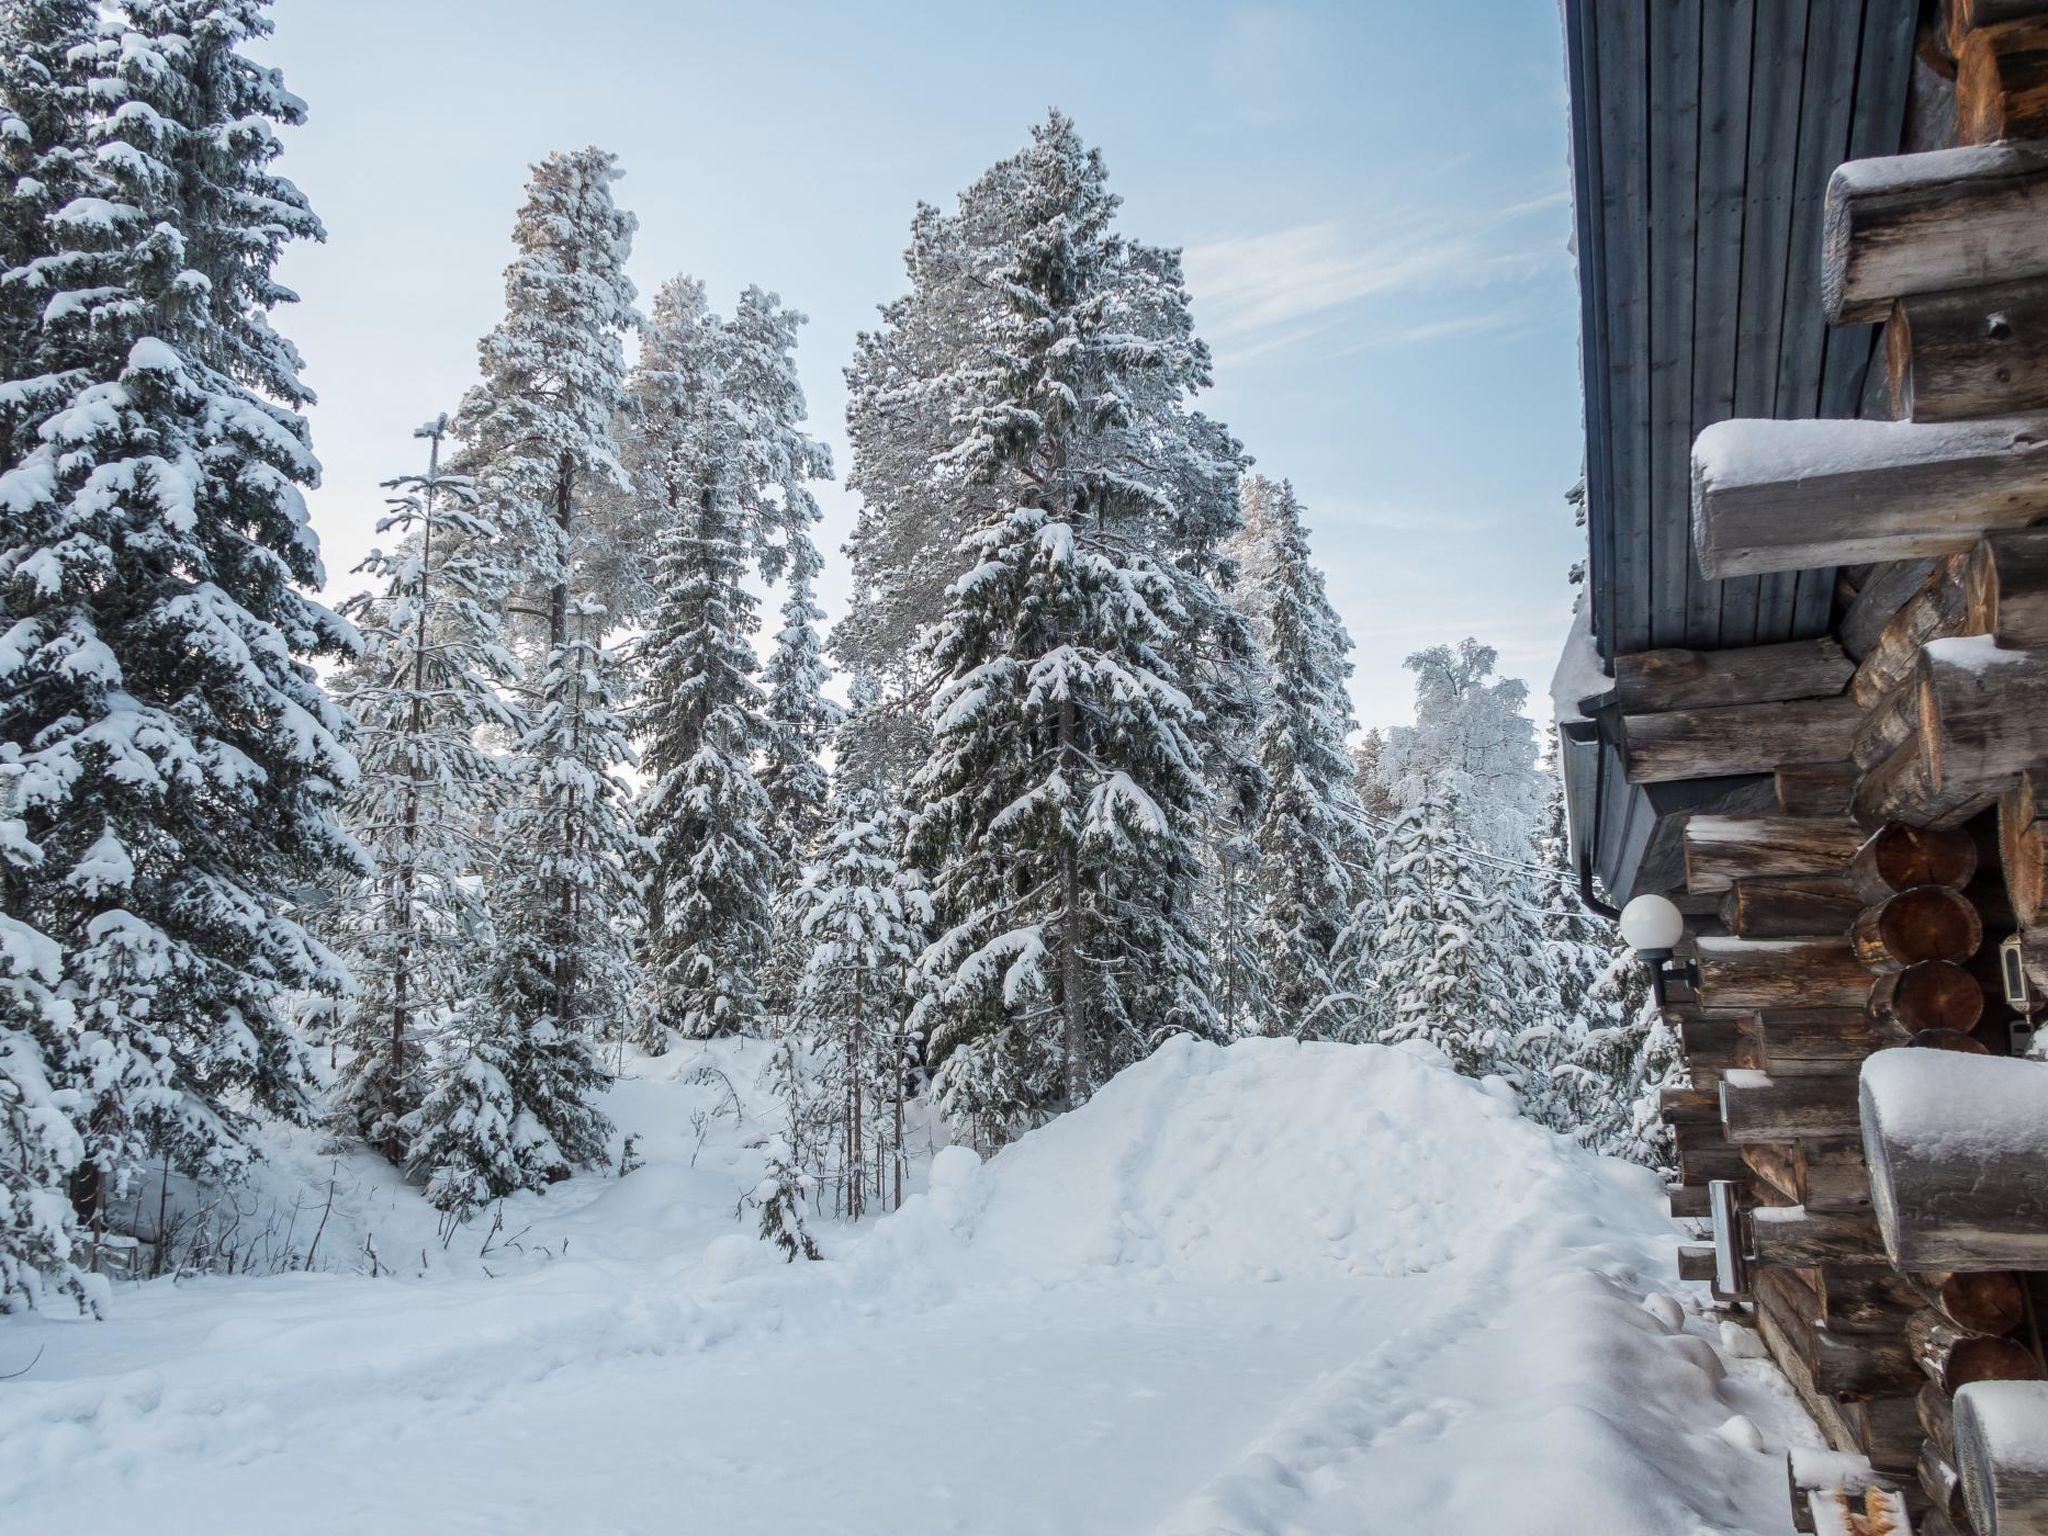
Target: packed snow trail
pixel 1268 1290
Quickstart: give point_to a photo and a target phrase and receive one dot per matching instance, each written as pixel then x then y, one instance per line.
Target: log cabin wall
pixel 1860 914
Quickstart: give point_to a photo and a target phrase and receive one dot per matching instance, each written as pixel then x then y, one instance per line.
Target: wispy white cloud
pixel 1264 292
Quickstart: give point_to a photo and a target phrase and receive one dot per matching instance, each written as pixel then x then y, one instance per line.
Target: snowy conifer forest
pixel 561 950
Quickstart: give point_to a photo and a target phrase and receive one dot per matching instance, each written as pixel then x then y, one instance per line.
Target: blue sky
pixel 1375 213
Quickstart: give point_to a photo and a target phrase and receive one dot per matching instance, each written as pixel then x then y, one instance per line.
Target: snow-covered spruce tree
pixel 865 921
pixel 512 1106
pixel 708 868
pixel 800 718
pixel 1059 811
pixel 1305 885
pixel 169 749
pixel 429 682
pixel 1472 739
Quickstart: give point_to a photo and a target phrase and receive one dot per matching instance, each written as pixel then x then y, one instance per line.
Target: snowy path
pixel 1103 1331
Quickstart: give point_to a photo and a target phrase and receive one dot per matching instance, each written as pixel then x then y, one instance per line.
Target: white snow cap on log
pixel 1887 173
pixel 1972 653
pixel 1745 452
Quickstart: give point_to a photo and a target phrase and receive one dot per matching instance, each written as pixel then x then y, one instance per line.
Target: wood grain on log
pixel 1954 1357
pixel 1831 1173
pixel 2023 848
pixel 1886 727
pixel 1963 16
pixel 2003 1464
pixel 1863 1298
pixel 1696 1261
pixel 2006 584
pixel 2002 82
pixel 1939 610
pixel 1902 788
pixel 1983 713
pixel 1756 1107
pixel 1968 354
pixel 1721 849
pixel 1925 922
pixel 1688 1106
pixel 1771 1162
pixel 1688 1202
pixel 1934 994
pixel 1737 739
pixel 1791 906
pixel 1782 973
pixel 1815 789
pixel 1652 682
pixel 1888 589
pixel 1940 1484
pixel 1793 1237
pixel 1707 1040
pixel 1841 1365
pixel 1936 1411
pixel 1984 1301
pixel 1929 223
pixel 1827 1034
pixel 1898 857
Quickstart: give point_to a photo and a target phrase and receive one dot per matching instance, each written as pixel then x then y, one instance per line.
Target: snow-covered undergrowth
pixel 1273 1288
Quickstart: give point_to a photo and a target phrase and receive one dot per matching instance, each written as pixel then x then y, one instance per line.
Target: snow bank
pixel 1266 1288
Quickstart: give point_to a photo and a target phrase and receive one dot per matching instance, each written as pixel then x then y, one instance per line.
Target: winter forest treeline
pixel 556 784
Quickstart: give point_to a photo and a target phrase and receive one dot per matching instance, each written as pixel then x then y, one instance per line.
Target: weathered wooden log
pixel 1925 922
pixel 1688 1201
pixel 2002 82
pixel 1940 1484
pixel 1815 789
pixel 1887 727
pixel 1963 16
pixel 1934 994
pixel 1791 906
pixel 1983 712
pixel 1928 223
pixel 1887 1431
pixel 1985 1301
pixel 1790 495
pixel 1898 857
pixel 1771 1164
pixel 1889 587
pixel 2023 847
pixel 1841 1365
pixel 1826 1034
pixel 1688 1106
pixel 1719 849
pixel 1703 1156
pixel 2001 1439
pixel 1902 788
pixel 1756 1107
pixel 1741 738
pixel 1936 1412
pixel 1792 1237
pixel 1957 1148
pixel 1954 1357
pixel 1707 1040
pixel 1863 1298
pixel 1831 1415
pixel 1968 354
pixel 1696 1261
pixel 1754 1054
pixel 1948 1040
pixel 1831 1174
pixel 2006 584
pixel 1654 682
pixel 1939 610
pixel 1781 973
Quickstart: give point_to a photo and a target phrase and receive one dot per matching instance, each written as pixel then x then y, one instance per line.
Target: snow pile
pixel 1245 1291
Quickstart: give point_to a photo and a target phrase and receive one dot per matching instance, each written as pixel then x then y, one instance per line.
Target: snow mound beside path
pixel 1268 1160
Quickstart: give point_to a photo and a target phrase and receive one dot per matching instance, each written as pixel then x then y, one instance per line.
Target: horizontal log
pixel 1688 1106
pixel 1791 906
pixel 1898 857
pixel 2002 82
pixel 1983 712
pixel 1882 594
pixel 1704 1156
pixel 1864 1299
pixel 1957 1147
pixel 1688 1202
pixel 1737 739
pixel 1770 1164
pixel 1940 608
pixel 1793 1237
pixel 1792 495
pixel 1707 1040
pixel 1815 789
pixel 1780 973
pixel 1841 1365
pixel 2023 847
pixel 1928 223
pixel 1902 788
pixel 1886 1430
pixel 1652 682
pixel 1831 1174
pixel 1925 922
pixel 1756 1107
pixel 1696 1262
pixel 1832 1416
pixel 1722 849
pixel 1965 16
pixel 1969 354
pixel 1754 1055
pixel 2001 1439
pixel 2006 586
pixel 1845 1035
pixel 1953 1357
pixel 1934 994
pixel 1987 1301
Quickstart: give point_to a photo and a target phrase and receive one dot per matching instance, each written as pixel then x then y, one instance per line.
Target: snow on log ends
pixel 1271 1286
pixel 1744 452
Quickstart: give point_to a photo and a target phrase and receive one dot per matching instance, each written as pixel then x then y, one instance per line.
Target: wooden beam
pixel 1940 607
pixel 2002 1456
pixel 1792 1237
pixel 2006 585
pixel 1756 1107
pixel 1696 1260
pixel 1897 857
pixel 2023 848
pixel 1824 1034
pixel 1815 789
pixel 1888 586
pixel 1928 223
pixel 1791 495
pixel 1831 1173
pixel 1983 713
pixel 1781 973
pixel 1842 1365
pixel 1688 1202
pixel 1925 922
pixel 1958 1153
pixel 2002 82
pixel 1651 682
pixel 1954 1357
pixel 1933 994
pixel 1964 16
pixel 1969 354
pixel 1737 739
pixel 1721 849
pixel 1902 788
pixel 1791 907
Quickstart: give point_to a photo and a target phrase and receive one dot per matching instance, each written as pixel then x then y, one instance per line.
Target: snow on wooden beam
pixel 1957 1147
pixel 1791 495
pixel 1781 973
pixel 1793 1237
pixel 2001 1444
pixel 1928 223
pixel 1739 739
pixel 1721 849
pixel 1983 712
pixel 1649 682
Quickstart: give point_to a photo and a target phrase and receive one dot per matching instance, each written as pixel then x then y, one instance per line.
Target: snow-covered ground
pixel 1266 1289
